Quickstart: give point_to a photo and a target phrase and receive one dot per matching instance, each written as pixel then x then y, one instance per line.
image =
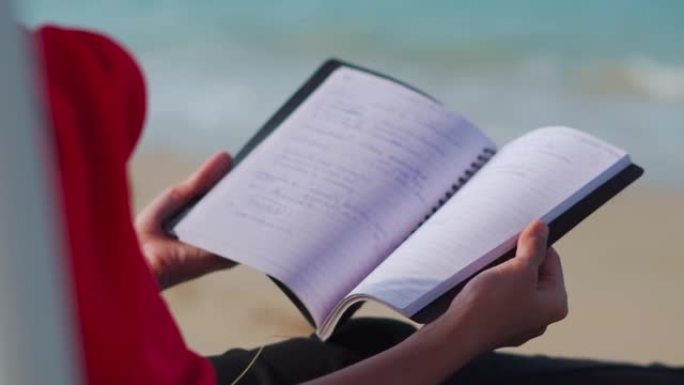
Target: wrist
pixel 429 356
pixel 444 346
pixel 456 335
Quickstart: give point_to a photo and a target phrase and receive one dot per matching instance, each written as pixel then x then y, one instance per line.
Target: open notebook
pixel 363 188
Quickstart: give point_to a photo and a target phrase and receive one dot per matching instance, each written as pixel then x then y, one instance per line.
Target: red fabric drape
pixel 95 100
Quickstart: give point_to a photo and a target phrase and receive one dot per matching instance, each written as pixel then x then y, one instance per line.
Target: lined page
pixel 538 176
pixel 336 187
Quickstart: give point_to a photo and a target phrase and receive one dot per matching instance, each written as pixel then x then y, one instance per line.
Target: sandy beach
pixel 624 270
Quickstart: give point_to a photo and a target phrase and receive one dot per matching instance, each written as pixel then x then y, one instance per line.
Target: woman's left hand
pixel 172 261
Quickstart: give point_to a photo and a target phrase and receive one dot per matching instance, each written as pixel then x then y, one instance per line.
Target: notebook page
pixel 321 201
pixel 539 175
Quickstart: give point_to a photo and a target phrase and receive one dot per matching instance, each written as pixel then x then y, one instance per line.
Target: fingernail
pixel 544 230
pixel 541 230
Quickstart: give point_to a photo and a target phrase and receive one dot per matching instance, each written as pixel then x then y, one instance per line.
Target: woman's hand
pixel 171 261
pixel 513 302
pixel 505 305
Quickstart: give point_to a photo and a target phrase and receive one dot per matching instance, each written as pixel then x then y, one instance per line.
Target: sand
pixel 624 271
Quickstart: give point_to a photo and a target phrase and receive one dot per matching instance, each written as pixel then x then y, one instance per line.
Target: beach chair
pixel 35 332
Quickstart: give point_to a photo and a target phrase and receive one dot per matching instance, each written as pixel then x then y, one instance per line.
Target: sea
pixel 216 70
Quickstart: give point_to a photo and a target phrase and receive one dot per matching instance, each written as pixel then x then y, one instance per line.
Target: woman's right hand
pixel 515 301
pixel 505 305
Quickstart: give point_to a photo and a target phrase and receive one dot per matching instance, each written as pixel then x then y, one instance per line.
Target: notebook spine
pixel 475 166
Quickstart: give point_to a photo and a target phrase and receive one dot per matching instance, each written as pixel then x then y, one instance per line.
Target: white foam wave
pixel 660 81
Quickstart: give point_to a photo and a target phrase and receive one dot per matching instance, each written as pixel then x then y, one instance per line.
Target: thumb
pixel 532 244
pixel 168 203
pixel 208 174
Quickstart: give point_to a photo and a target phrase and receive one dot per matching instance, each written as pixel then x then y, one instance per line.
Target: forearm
pixel 424 358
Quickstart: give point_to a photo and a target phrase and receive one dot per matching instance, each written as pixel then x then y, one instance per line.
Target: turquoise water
pixel 217 69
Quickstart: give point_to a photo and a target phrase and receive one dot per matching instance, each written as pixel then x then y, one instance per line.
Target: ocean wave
pixel 217 70
pixel 638 76
pixel 658 80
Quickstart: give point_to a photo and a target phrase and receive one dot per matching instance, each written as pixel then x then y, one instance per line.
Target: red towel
pixel 96 103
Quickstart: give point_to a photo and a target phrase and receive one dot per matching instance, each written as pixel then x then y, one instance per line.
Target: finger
pixel 532 244
pixel 534 333
pixel 183 263
pixel 206 176
pixel 553 296
pixel 551 270
pixel 150 219
pixel 538 332
pixel 523 337
pixel 554 305
pixel 205 261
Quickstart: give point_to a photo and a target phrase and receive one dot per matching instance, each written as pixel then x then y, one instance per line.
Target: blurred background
pixel 216 70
